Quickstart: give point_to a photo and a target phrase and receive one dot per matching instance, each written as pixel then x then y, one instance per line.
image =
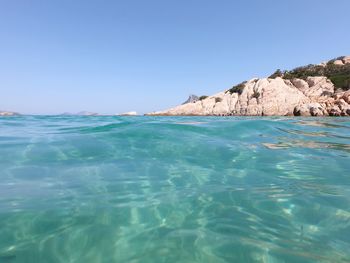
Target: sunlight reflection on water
pixel 174 189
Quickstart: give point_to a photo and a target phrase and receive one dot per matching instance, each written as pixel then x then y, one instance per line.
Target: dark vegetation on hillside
pixel 238 88
pixel 338 74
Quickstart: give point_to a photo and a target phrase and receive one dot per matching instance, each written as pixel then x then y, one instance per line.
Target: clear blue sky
pixel 116 56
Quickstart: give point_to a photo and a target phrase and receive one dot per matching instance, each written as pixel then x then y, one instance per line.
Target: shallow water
pixel 174 189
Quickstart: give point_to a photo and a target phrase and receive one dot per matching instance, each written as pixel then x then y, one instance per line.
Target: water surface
pixel 174 189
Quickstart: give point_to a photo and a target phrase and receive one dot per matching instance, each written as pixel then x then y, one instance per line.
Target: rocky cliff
pixel 314 90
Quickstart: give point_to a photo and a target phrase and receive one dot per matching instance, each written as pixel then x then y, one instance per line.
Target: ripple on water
pixel 181 189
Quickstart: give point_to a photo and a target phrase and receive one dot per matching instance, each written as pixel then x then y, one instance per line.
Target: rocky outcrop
pixel 341 60
pixel 8 113
pixel 129 113
pixel 191 99
pixel 313 96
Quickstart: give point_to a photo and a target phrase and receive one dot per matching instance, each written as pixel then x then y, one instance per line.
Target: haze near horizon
pixel 113 57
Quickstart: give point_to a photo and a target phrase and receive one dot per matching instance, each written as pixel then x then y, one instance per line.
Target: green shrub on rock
pixel 338 74
pixel 238 88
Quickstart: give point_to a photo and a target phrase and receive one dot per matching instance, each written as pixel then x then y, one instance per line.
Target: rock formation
pixel 8 113
pixel 191 99
pixel 129 113
pixel 311 96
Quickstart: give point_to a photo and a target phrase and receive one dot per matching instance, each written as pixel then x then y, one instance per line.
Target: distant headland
pixel 8 113
pixel 312 90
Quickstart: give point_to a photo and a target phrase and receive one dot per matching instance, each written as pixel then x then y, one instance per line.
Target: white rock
pixel 338 62
pixel 346 59
pixel 129 113
pixel 320 88
pixel 8 113
pixel 309 109
pixel 314 97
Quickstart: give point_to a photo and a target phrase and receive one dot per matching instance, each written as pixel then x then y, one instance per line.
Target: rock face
pixel 191 99
pixel 8 113
pixel 342 60
pixel 314 96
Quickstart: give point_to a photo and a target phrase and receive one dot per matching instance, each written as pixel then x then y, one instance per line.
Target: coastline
pixel 313 90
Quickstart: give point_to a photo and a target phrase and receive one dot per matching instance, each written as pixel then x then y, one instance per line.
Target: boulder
pixel 320 88
pixel 309 109
pixel 338 62
pixel 345 96
pixel 334 111
pixel 300 84
pixel 346 59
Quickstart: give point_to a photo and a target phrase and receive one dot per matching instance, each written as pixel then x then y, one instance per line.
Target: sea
pixel 174 189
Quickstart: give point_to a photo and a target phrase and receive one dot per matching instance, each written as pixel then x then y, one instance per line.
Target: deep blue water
pixel 174 189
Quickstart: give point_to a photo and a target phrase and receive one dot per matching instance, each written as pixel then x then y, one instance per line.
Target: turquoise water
pixel 174 189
